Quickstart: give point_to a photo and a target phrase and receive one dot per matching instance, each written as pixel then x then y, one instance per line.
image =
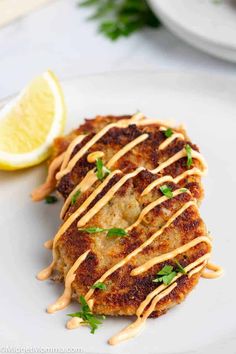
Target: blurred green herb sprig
pixel 121 18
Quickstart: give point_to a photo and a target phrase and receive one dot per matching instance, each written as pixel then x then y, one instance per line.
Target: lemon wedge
pixel 30 122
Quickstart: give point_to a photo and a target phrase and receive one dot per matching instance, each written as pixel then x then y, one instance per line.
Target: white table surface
pixel 59 37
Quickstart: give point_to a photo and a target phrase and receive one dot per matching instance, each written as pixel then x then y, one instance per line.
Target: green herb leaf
pixel 179 268
pixel 167 273
pixel 110 232
pixel 101 170
pixel 106 171
pixel 75 197
pixel 99 166
pixel 121 18
pixel 85 306
pixel 166 191
pixel 99 285
pixel 167 269
pixel 169 132
pixel 116 232
pixel 183 190
pixel 50 199
pixel 166 279
pixel 189 155
pixel 93 230
pixel 87 316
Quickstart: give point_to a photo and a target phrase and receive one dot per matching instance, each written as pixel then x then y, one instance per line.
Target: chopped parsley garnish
pixel 110 232
pixel 168 132
pixel 99 285
pixel 50 199
pixel 75 197
pixel 93 230
pixel 189 155
pixel 183 190
pixel 116 232
pixel 87 316
pixel 179 268
pixel 101 170
pixel 167 273
pixel 166 191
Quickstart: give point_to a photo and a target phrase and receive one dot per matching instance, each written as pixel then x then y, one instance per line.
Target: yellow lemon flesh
pixel 30 122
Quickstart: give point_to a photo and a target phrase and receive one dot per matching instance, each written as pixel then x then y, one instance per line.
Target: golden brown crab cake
pixel 125 292
pixel 146 153
pixel 90 126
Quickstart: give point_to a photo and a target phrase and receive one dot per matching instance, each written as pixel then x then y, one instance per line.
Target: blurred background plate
pixel 209 25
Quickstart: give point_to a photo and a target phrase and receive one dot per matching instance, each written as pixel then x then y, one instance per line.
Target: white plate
pixel 206 320
pixel 209 25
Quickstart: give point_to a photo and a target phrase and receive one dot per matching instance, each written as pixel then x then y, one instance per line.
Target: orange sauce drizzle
pixel 216 271
pixel 93 156
pixel 91 177
pixel 161 291
pixel 65 298
pixel 48 186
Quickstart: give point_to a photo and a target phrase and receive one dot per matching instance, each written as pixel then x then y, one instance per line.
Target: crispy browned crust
pixel 125 292
pixel 145 154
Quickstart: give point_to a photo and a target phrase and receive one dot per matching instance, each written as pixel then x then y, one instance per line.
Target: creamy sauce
pixel 178 156
pixel 91 177
pixel 69 151
pixel 164 257
pixel 136 119
pixel 84 185
pixel 197 269
pixel 133 329
pixel 65 299
pixel 158 298
pixel 140 248
pixel 139 116
pixel 169 140
pixel 126 149
pixel 67 164
pixel 48 244
pixel 93 156
pixel 108 196
pixel 46 188
pixel 84 206
pixel 90 303
pixel 129 332
pixel 74 322
pixel 154 297
pixel 194 171
pixel 120 124
pixel 45 273
pixel 216 271
pixel 151 206
pixel 157 182
pixel 161 287
pixel 163 123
